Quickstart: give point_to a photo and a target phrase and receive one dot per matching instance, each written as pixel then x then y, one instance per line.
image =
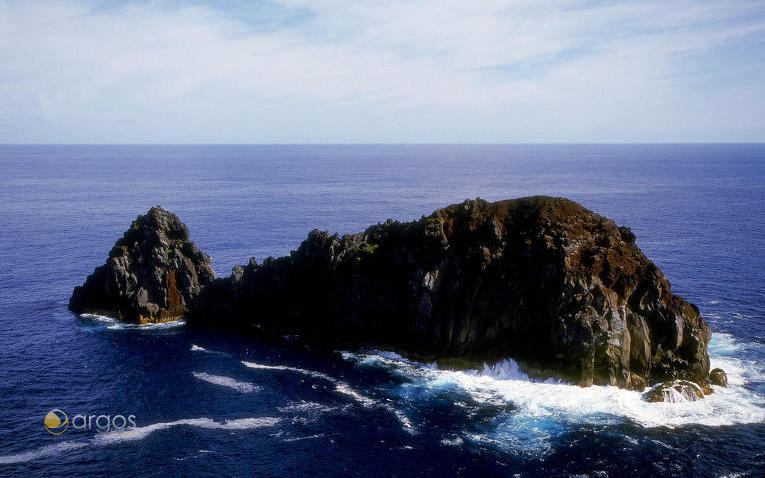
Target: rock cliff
pixel 543 280
pixel 152 274
pixel 540 279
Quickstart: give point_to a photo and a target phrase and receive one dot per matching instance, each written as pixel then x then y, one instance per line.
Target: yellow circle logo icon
pixel 56 422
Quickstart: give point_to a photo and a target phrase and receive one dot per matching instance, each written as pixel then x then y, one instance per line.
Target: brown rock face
pixel 718 377
pixel 152 274
pixel 538 279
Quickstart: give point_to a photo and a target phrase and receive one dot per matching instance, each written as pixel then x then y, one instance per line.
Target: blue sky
pixel 318 71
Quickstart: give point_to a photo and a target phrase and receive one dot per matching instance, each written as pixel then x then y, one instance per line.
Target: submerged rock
pixel 675 391
pixel 152 274
pixel 539 279
pixel 718 377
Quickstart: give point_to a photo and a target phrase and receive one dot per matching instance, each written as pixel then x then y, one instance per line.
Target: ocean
pixel 224 404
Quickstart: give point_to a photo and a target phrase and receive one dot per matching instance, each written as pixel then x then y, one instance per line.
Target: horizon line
pixel 575 143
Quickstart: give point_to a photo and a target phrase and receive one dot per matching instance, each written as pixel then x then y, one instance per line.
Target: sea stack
pixel 152 274
pixel 539 279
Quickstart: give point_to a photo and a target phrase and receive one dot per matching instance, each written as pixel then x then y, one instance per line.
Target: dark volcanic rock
pixel 539 279
pixel 153 273
pixel 718 377
pixel 674 391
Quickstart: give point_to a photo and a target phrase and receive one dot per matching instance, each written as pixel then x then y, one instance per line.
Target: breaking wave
pixel 540 410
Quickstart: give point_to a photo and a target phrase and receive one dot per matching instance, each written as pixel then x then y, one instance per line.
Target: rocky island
pixel 153 273
pixel 543 280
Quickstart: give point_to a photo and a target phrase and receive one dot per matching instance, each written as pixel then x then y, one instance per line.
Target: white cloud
pixel 375 71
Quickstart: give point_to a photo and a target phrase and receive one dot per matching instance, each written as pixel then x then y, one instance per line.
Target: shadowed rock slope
pixel 152 274
pixel 538 279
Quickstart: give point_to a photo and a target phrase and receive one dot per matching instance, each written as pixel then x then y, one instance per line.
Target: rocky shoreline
pixel 543 280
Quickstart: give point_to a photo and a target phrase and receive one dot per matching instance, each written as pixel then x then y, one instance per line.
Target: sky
pixel 321 71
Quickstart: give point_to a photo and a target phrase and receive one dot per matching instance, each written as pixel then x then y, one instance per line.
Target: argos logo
pixel 57 422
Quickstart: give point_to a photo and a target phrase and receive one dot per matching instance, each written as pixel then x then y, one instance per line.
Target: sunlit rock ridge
pixel 543 280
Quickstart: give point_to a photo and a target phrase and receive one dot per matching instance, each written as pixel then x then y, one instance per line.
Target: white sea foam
pixel 44 452
pixel 388 359
pixel 310 437
pixel 739 371
pixel 340 387
pixel 722 345
pixel 346 389
pixel 368 402
pixel 504 370
pixel 172 324
pixel 137 433
pixel 452 441
pixel 243 387
pixel 540 411
pixel 306 407
pixel 302 371
pixel 197 348
pixel 118 325
pixel 727 353
pixel 552 402
pixel 140 433
pixel 99 318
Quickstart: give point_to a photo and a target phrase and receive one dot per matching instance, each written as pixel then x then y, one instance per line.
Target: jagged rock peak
pixel 152 273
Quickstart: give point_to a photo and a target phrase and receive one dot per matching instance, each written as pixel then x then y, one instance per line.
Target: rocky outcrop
pixel 543 280
pixel 540 279
pixel 674 391
pixel 152 274
pixel 718 377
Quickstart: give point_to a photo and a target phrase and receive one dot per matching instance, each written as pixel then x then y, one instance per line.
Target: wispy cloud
pixel 330 71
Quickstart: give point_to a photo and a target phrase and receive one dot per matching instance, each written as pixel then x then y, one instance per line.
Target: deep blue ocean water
pixel 227 405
